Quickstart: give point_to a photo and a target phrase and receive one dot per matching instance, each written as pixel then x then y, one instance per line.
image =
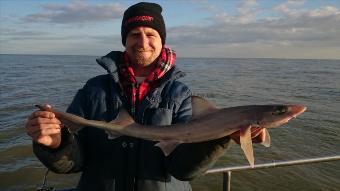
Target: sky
pixel 302 29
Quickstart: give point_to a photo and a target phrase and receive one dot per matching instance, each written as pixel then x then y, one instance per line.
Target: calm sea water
pixel 26 80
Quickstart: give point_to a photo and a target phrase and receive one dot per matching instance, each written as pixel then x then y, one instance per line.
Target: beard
pixel 141 60
pixel 144 60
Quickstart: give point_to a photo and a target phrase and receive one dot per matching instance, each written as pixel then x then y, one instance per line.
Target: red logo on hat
pixel 138 18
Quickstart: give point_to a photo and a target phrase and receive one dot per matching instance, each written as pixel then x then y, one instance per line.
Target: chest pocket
pixel 158 116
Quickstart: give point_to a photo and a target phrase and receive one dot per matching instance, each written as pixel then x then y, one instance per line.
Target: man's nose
pixel 143 40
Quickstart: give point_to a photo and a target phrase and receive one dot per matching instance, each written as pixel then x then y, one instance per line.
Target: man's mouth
pixel 142 50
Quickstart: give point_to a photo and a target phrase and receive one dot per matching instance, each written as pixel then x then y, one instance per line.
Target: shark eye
pixel 280 110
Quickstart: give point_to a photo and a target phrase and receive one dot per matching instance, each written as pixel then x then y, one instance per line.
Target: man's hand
pixel 257 135
pixel 44 128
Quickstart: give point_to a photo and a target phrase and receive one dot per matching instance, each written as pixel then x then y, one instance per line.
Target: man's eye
pixel 132 34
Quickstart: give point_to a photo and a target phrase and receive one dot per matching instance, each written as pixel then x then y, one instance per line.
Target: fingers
pixel 50 141
pixel 259 138
pixel 48 134
pixel 42 113
pixel 43 129
pixel 39 113
pixel 42 120
pixel 257 135
pixel 42 123
pixel 37 132
pixel 53 141
pixel 40 117
pixel 256 131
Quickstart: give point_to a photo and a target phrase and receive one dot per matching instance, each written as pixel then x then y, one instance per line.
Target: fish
pixel 208 122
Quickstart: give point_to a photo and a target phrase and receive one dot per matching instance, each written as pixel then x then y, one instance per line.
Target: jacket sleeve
pixel 190 160
pixel 68 157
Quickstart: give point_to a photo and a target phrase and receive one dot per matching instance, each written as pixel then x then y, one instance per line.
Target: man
pixel 145 81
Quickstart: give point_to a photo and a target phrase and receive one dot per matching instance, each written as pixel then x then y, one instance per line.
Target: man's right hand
pixel 44 128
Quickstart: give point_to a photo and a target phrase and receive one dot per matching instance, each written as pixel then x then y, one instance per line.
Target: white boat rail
pixel 227 170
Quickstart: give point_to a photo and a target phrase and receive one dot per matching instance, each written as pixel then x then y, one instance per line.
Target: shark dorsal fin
pixel 123 118
pixel 201 107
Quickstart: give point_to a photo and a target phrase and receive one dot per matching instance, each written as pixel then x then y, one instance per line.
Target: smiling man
pixel 145 81
pixel 143 46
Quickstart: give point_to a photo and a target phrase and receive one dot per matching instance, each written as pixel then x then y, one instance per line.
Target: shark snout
pixel 296 110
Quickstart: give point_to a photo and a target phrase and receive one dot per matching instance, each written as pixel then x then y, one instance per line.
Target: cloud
pixel 76 12
pixel 291 28
pixel 205 5
pixel 40 42
pixel 294 29
pixel 9 35
pixel 7 32
pixel 289 8
pixel 13 35
pixel 250 28
pixel 324 12
pixel 248 10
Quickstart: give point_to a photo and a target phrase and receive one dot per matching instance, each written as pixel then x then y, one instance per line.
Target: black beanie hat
pixel 143 14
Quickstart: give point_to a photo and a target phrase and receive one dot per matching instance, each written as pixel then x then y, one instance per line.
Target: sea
pixel 26 80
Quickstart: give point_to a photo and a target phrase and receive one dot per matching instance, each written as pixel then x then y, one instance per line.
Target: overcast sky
pixel 195 28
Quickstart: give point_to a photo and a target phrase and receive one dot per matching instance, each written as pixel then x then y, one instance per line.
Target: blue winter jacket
pixel 127 163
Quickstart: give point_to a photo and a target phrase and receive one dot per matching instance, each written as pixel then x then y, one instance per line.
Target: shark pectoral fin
pixel 266 142
pixel 247 145
pixel 167 146
pixel 112 135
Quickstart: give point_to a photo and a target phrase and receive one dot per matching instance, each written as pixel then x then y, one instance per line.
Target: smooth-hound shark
pixel 208 123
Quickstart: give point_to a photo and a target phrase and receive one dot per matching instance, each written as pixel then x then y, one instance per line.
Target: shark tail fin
pixel 247 145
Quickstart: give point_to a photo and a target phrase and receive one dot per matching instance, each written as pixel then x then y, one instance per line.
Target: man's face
pixel 143 45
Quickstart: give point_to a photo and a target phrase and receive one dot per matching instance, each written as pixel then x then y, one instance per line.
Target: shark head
pixel 277 115
pixel 266 116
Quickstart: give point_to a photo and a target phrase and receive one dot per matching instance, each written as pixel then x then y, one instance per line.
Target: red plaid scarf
pixel 134 91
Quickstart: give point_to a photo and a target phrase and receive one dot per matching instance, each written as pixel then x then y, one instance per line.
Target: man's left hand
pixel 257 135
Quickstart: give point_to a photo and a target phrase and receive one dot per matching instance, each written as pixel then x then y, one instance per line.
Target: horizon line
pixel 279 58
